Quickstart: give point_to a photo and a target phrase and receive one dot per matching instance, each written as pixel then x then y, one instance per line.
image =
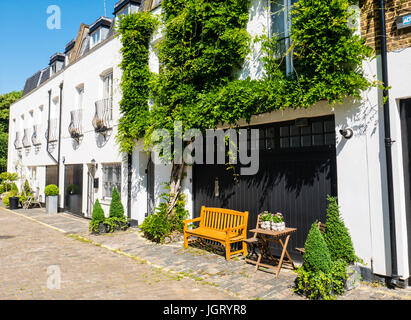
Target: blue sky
pixel 27 44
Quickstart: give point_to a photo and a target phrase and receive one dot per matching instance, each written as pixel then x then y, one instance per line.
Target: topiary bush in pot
pixel 317 256
pixel 337 236
pixel 97 219
pixel 116 219
pixel 320 277
pixel 51 190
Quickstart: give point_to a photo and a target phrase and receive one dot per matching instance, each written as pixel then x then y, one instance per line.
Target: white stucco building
pixel 303 158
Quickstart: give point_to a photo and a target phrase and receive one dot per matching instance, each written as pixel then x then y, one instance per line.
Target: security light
pixel 347 133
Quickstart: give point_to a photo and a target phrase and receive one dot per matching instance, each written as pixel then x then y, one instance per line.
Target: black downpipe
pixel 130 173
pixel 59 142
pixel 388 147
pixel 48 131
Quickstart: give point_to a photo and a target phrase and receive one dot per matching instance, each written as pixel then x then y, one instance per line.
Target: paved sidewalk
pixel 31 256
pixel 234 278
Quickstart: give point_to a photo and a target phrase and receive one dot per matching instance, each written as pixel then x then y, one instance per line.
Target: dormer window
pixel 57 62
pixel 99 31
pixel 125 7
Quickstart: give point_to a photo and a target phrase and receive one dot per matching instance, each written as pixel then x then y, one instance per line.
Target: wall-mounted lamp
pixel 347 133
pixel 64 160
pixel 95 165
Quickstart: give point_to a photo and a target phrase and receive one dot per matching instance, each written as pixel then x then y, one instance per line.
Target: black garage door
pixel 297 172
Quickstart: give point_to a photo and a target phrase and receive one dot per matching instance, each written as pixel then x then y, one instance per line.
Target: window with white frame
pixel 108 86
pixel 80 96
pixel 123 12
pixel 280 29
pixel 95 38
pixel 111 178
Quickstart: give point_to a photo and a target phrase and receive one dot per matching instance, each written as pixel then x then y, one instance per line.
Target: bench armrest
pixel 192 220
pixel 186 222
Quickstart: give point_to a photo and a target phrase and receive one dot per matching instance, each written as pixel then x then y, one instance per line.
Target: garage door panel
pixel 293 183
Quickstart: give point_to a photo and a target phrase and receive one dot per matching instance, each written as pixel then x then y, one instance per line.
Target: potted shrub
pixel 52 197
pixel 277 222
pixel 116 220
pixel 265 220
pixel 97 225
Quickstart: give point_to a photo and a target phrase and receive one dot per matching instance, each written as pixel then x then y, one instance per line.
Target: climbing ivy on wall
pixel 205 43
pixel 136 31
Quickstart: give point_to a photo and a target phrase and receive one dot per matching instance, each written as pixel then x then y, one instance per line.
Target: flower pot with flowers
pixel 277 222
pixel 265 220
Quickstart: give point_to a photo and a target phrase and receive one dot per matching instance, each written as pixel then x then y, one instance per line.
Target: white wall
pixel 87 71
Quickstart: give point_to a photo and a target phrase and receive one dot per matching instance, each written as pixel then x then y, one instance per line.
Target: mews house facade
pixel 62 131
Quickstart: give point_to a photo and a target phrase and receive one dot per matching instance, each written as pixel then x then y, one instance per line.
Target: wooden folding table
pixel 262 238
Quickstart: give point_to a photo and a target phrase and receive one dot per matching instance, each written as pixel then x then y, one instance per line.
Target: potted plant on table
pixel 52 193
pixel 277 222
pixel 265 220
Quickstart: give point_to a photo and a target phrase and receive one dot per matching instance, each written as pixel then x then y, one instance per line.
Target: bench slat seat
pixel 220 225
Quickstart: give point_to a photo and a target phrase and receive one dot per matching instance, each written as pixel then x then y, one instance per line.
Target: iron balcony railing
pixel 51 132
pixel 102 121
pixel 17 141
pixel 26 138
pixel 35 137
pixel 75 128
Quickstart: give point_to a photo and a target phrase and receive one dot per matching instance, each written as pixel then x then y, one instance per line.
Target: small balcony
pixel 26 138
pixel 51 132
pixel 17 142
pixel 102 121
pixel 35 140
pixel 75 128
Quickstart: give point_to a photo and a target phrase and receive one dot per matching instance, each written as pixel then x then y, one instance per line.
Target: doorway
pixel 73 189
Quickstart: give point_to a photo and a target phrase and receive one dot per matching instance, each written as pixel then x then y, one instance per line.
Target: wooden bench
pixel 321 226
pixel 220 225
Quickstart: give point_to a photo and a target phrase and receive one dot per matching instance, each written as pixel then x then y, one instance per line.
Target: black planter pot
pixel 14 203
pixel 102 228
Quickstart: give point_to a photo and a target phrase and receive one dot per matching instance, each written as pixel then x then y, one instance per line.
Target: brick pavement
pixel 202 268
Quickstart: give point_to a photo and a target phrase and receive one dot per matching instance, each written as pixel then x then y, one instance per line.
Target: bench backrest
pixel 221 219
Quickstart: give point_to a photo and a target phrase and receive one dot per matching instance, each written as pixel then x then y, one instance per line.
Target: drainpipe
pixel 48 131
pixel 59 142
pixel 129 177
pixel 388 148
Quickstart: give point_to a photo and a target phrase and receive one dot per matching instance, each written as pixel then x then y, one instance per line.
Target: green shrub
pixel 322 285
pixel 51 190
pixel 157 226
pixel 316 256
pixel 2 189
pixel 97 217
pixel 337 236
pixel 14 188
pixel 26 189
pixel 116 207
pixel 7 196
pixel 160 225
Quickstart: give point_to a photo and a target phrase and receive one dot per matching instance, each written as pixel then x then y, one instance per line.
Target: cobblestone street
pixel 28 249
pixel 124 265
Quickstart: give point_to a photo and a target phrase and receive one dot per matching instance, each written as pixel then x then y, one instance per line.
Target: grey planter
pixel 354 277
pixel 52 204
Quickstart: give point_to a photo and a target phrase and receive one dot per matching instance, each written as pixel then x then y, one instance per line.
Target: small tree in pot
pixel 52 193
pixel 97 220
pixel 116 219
